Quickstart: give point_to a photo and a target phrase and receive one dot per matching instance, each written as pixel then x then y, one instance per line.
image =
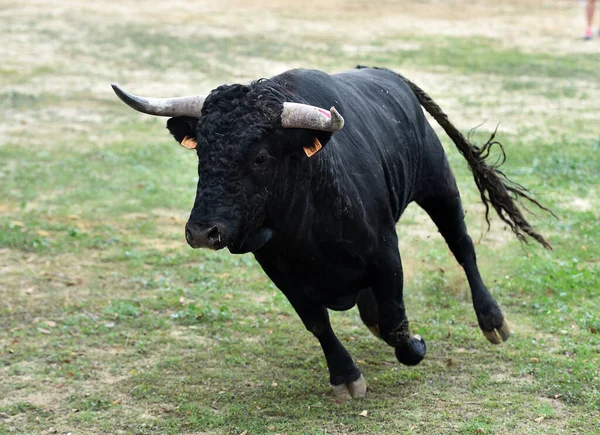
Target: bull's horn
pixel 296 115
pixel 179 106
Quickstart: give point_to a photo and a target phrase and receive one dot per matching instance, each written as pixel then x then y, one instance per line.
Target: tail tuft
pixel 495 188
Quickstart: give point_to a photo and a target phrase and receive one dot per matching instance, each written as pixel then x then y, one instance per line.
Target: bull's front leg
pixel 387 283
pixel 345 377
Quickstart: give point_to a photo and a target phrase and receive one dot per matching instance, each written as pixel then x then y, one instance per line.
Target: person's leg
pixel 589 14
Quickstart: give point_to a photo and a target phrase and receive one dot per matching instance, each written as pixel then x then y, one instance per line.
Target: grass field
pixel 109 323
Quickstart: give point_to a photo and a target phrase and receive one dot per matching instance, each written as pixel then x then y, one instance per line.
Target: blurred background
pixel 109 323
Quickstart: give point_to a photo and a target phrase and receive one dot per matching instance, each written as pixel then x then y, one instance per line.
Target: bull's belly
pixel 335 289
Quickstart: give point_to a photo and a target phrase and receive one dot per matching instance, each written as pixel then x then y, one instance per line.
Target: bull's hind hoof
pixel 498 335
pixel 350 390
pixel 412 352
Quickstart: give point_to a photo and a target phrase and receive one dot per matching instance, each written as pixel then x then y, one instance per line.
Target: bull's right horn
pixel 178 106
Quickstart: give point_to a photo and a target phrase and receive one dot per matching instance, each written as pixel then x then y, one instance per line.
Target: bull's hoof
pixel 498 335
pixel 350 390
pixel 412 352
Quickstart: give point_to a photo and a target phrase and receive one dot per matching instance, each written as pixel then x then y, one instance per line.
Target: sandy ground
pixel 537 26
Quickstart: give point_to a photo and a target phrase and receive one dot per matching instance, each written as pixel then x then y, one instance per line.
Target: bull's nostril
pixel 188 236
pixel 213 235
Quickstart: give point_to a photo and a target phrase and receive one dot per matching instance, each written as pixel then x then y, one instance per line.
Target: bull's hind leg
pixel 445 209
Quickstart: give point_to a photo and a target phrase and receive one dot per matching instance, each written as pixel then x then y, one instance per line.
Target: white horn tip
pixel 337 120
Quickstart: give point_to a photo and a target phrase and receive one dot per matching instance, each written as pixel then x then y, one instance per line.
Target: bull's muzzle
pixel 205 235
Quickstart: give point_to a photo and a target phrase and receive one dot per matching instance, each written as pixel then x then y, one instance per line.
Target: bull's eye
pixel 261 160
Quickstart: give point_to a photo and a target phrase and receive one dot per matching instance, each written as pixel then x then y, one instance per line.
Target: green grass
pixel 110 324
pixel 472 55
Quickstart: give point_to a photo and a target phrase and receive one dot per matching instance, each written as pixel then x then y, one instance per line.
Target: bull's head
pixel 241 134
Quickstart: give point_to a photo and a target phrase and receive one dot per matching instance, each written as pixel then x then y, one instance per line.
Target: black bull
pixel 323 227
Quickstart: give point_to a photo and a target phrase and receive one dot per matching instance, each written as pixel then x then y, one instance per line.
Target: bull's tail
pixel 495 187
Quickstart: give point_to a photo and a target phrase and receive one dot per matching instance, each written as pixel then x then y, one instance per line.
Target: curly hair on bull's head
pixel 254 109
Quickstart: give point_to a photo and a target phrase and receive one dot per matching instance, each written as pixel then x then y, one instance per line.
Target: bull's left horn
pixel 178 106
pixel 295 115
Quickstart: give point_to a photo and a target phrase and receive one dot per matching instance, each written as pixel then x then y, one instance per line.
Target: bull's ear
pixel 319 140
pixel 304 141
pixel 183 129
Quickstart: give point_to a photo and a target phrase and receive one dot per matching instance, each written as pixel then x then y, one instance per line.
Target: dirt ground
pixel 57 61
